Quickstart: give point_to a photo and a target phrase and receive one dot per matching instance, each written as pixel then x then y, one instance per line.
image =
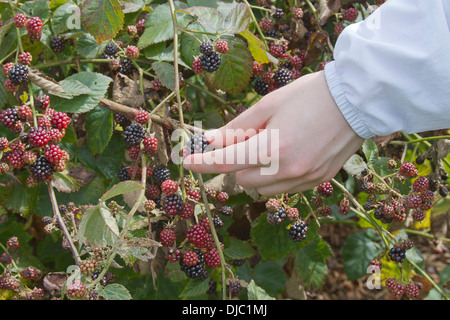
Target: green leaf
pixel 98 227
pixel 96 82
pixel 355 165
pixel 102 18
pixel 71 88
pixel 159 24
pixel 165 73
pixel 310 262
pixel 99 126
pixel 256 47
pixel 257 293
pixel 115 291
pixel 88 47
pixel 370 151
pixel 195 288
pixel 61 16
pixel 121 188
pixel 238 249
pixel 359 249
pixel 235 69
pixel 64 183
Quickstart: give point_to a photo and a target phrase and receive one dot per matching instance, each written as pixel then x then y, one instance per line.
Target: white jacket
pixel 391 72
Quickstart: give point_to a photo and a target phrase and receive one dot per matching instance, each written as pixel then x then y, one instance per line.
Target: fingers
pixel 243 127
pixel 253 152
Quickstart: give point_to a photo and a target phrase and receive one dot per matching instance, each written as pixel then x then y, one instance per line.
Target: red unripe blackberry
pixel 167 237
pixel 38 137
pixel 4 143
pixel 197 66
pixel 190 258
pixel 420 184
pixel 132 52
pixel 324 211
pixel 7 283
pixel 7 67
pixel 222 46
pixel 173 204
pixel 338 28
pixel 344 207
pixel 35 36
pixel 131 29
pixel 187 210
pixel 408 170
pixel 292 213
pixel 272 204
pixel 3 167
pixel 42 101
pixel 418 215
pixel 193 195
pixel 222 197
pixel 413 201
pixel 24 112
pixel 53 153
pixel 156 84
pixel 258 68
pixel 25 58
pixel 142 117
pixel 134 171
pixel 396 288
pixel 212 258
pixel 325 189
pixel 76 290
pixel 31 273
pixel 196 235
pixel 412 290
pixel 150 145
pixel 427 195
pixel 266 24
pixel 350 14
pixel 114 64
pixel 20 20
pixel 60 120
pixel 140 26
pixel 29 157
pixel 5 258
pixel 296 62
pixel 10 86
pixel 174 254
pixel 152 192
pixel 198 271
pixel 16 159
pixel 134 152
pixel 34 25
pixel 377 265
pixel 169 187
pixel 12 242
pixel 297 13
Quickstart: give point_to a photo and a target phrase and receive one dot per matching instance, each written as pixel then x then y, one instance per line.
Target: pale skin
pixel 315 140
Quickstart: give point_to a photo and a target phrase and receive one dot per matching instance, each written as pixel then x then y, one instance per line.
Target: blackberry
pixel 397 254
pixel 9 117
pixel 187 210
pixel 276 217
pixel 76 290
pixel 261 87
pixel 161 174
pixel 190 258
pixel 111 50
pixel 133 135
pixel 123 174
pixel 38 137
pixel 325 189
pixel 412 290
pixel 273 34
pixel 173 204
pixel 167 237
pixel 218 222
pixel 41 169
pixel 297 231
pixel 18 74
pixel 197 144
pixel 282 77
pixel 279 13
pixel 210 62
pixel 206 48
pixel 197 235
pixel 234 287
pixel 227 211
pixel 42 101
pixel 197 271
pixel 125 66
pixel 57 43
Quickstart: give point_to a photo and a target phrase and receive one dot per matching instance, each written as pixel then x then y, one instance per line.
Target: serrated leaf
pixel 96 82
pixel 355 165
pixel 257 293
pixel 370 151
pixel 121 188
pixel 235 69
pixel 87 46
pixel 160 19
pixel 71 88
pixel 98 226
pixel 102 18
pixel 99 126
pixel 115 291
pixel 195 288
pixel 238 249
pixel 165 73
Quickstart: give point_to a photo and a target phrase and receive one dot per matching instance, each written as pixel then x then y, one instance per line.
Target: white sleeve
pixel 391 72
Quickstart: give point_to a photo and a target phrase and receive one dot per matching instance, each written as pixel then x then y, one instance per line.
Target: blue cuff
pixel 350 113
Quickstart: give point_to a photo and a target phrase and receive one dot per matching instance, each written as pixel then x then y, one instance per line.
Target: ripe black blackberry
pixel 261 87
pixel 218 222
pixel 210 62
pixel 161 174
pixel 197 144
pixel 206 47
pixel 57 43
pixel 273 34
pixel 234 287
pixel 111 50
pixel 277 216
pixel 133 134
pixel 282 77
pixel 123 174
pixel 125 66
pixel 397 254
pixel 197 271
pixel 41 169
pixel 18 74
pixel 279 13
pixel 297 231
pixel 173 204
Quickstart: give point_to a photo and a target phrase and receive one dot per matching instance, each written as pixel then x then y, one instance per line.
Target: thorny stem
pixel 309 208
pixel 214 234
pixel 61 223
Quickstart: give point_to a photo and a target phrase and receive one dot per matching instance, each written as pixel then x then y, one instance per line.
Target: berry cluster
pixel 210 59
pixel 410 290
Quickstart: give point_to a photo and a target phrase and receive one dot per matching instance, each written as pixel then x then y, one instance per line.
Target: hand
pixel 313 144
